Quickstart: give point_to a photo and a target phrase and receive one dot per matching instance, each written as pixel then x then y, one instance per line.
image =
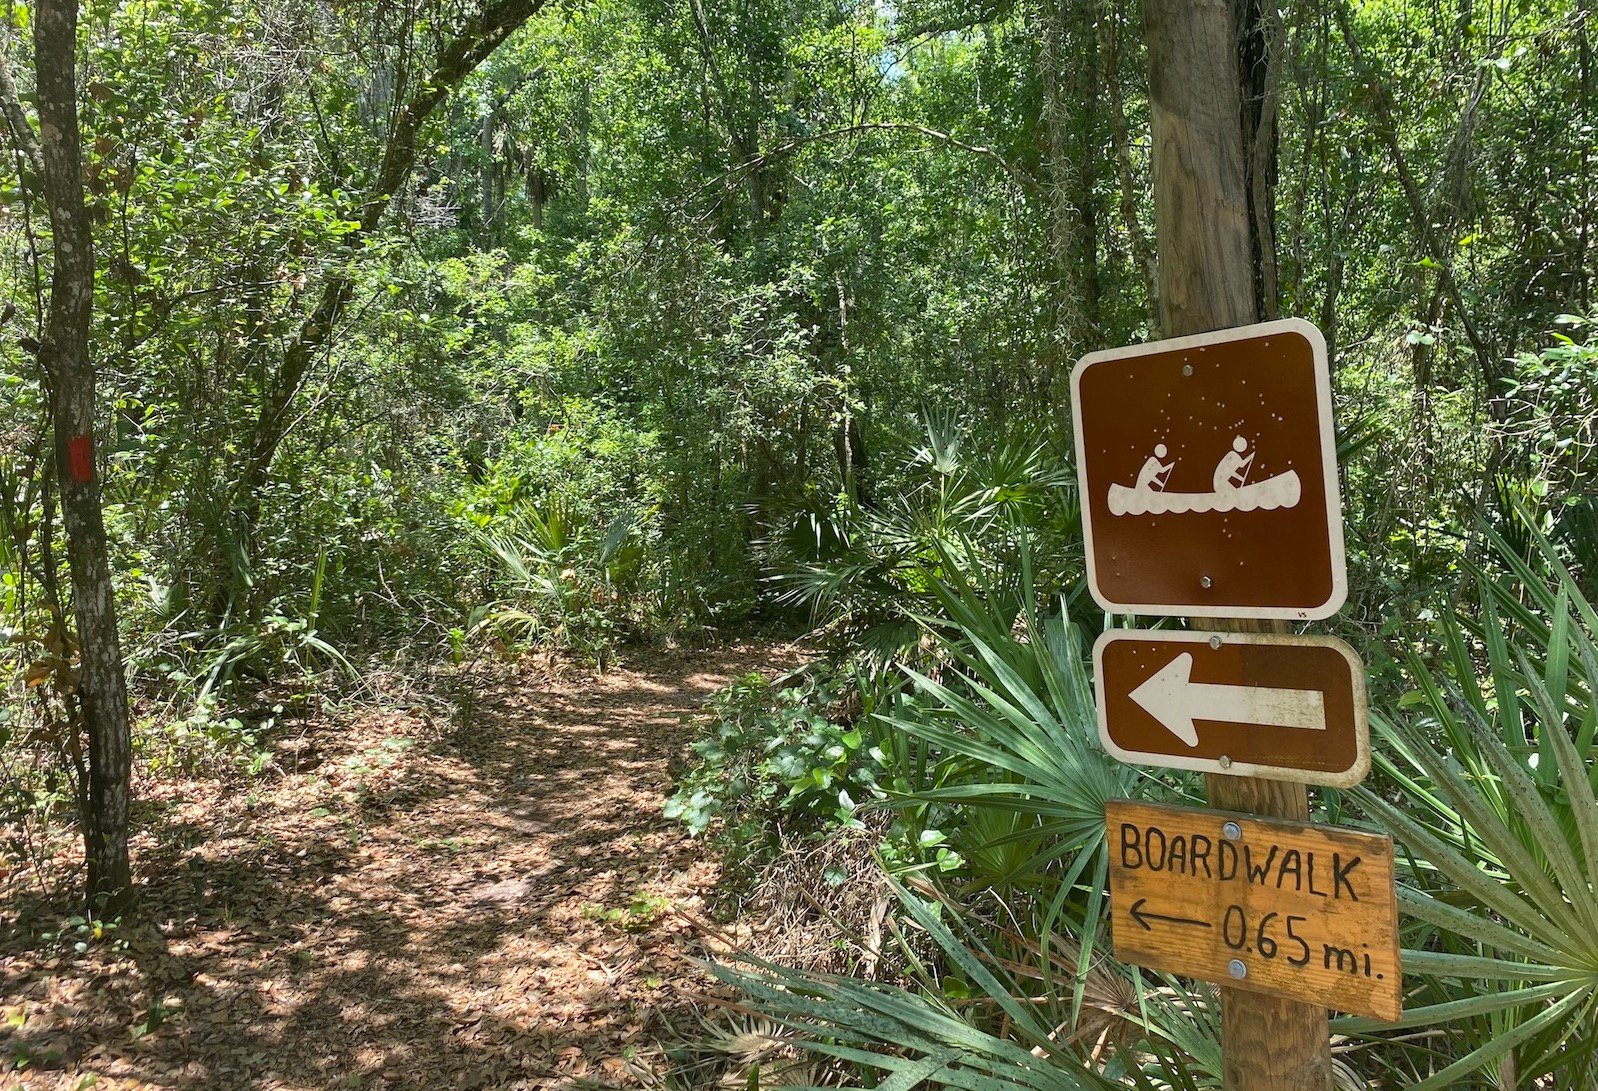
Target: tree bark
pixel 1259 36
pixel 1208 216
pixel 1064 223
pixel 101 690
pixel 1201 208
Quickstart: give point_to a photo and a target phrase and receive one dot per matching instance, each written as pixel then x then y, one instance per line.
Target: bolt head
pixel 1215 641
pixel 1225 761
pixel 1204 581
pixel 1187 369
pixel 1232 831
pixel 1236 968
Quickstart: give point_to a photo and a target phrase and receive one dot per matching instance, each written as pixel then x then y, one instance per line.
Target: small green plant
pixel 155 1015
pixel 376 758
pixel 79 933
pixel 205 735
pixel 927 1036
pixel 567 583
pixel 776 753
pixel 641 913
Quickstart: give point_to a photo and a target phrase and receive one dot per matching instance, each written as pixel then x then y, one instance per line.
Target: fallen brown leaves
pixel 400 903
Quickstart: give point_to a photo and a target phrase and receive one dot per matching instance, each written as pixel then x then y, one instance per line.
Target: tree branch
pixel 1430 237
pixel 27 140
pixel 482 33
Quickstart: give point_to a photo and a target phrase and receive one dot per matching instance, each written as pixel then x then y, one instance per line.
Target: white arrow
pixel 1171 698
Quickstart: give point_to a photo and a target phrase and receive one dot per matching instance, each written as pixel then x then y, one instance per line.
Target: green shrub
pixel 866 573
pixel 778 760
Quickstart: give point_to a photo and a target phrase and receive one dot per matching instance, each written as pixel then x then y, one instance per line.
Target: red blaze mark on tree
pixel 80 460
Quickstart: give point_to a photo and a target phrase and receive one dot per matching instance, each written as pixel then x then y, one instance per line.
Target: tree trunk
pixel 1130 197
pixel 64 356
pixel 1580 265
pixel 1201 207
pixel 1086 86
pixel 1259 36
pixel 1207 207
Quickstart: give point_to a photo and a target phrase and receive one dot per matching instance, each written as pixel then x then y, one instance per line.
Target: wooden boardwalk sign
pixel 1208 475
pixel 1304 912
pixel 1247 704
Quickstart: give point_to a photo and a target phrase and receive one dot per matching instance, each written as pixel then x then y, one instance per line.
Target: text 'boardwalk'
pixel 1307 912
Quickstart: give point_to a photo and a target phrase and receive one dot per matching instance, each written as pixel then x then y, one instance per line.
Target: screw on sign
pixel 1208 475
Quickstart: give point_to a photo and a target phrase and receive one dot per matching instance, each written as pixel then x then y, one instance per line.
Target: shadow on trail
pixel 485 910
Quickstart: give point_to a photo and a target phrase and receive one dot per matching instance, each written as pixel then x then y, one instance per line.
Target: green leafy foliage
pixel 1498 808
pixel 687 314
pixel 775 757
pixel 865 572
pixel 977 1020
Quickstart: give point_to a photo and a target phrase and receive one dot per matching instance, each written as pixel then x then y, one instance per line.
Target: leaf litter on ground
pixel 409 901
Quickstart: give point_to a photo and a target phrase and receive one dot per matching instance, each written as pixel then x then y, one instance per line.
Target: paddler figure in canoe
pixel 1232 471
pixel 1230 490
pixel 1155 473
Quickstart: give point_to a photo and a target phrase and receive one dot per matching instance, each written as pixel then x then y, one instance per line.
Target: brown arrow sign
pixel 1247 704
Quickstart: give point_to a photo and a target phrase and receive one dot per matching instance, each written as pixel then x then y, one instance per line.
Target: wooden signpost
pixel 1289 918
pixel 1274 907
pixel 1231 897
pixel 1247 704
pixel 1208 476
pixel 1212 158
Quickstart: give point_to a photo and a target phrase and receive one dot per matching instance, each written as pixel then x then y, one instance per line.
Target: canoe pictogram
pixel 1229 490
pixel 1207 471
pixel 1281 491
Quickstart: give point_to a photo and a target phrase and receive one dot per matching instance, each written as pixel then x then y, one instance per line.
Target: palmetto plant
pixel 1002 719
pixel 865 571
pixel 1011 718
pixel 996 1032
pixel 1490 789
pixel 564 582
pixel 917 1038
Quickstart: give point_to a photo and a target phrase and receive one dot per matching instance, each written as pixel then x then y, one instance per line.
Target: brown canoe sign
pixel 1292 910
pixel 1248 704
pixel 1208 475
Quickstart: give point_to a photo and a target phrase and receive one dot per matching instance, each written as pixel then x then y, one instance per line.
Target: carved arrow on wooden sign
pixel 1143 916
pixel 1175 700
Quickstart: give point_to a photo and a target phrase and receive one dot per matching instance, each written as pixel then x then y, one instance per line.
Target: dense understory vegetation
pixel 674 317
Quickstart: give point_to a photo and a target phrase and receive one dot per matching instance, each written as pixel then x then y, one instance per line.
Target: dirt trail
pixel 410 904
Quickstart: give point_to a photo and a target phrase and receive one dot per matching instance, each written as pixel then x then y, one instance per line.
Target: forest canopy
pixel 424 331
pixel 702 268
